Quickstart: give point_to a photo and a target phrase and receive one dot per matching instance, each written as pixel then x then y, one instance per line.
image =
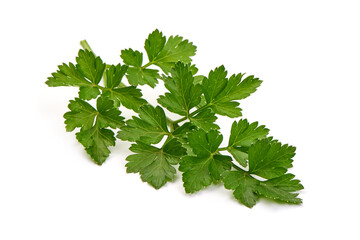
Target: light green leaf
pixel 131 57
pixel 90 66
pixel 176 49
pixel 88 93
pixel 154 44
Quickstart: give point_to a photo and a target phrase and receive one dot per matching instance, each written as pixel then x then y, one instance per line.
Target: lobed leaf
pixel 183 95
pixel 154 164
pixel 150 127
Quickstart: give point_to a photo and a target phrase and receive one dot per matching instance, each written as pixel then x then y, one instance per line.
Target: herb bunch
pixel 252 164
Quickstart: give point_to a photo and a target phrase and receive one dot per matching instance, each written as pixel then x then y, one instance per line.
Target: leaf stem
pixel 85 45
pixel 223 149
pixel 193 113
pixel 147 65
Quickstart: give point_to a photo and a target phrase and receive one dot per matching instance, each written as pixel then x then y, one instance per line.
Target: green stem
pixel 171 124
pixel 85 45
pixel 223 149
pixel 193 113
pixel 147 65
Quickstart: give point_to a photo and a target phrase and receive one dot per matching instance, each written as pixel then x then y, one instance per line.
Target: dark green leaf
pixel 281 188
pixel 93 123
pixel 270 159
pixel 149 127
pixel 81 115
pixel 114 75
pixel 96 142
pixel 67 75
pixel 205 120
pixel 154 164
pixel 245 134
pixel 221 93
pixel 244 186
pixel 239 155
pixel 90 66
pixel 207 166
pixel 183 95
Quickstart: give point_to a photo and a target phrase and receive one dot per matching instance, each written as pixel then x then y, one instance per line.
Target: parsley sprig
pixel 253 164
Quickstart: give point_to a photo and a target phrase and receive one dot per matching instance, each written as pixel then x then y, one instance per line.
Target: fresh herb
pixel 252 164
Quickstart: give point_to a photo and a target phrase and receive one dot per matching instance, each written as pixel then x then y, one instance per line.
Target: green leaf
pixel 81 115
pixel 114 75
pixel 67 75
pixel 154 44
pixel 245 134
pixel 182 131
pixel 239 155
pixel 90 66
pixel 141 76
pixel 221 93
pixel 281 189
pixel 130 97
pixel 244 186
pixel 93 122
pixel 131 57
pixel 270 159
pixel 85 74
pixel 88 93
pixel 149 127
pixel 207 166
pixel 204 143
pixel 184 95
pixel 108 115
pixel 248 189
pixel 136 74
pixel 96 142
pixel 154 164
pixel 214 84
pixel 161 53
pixel 176 49
pixel 205 120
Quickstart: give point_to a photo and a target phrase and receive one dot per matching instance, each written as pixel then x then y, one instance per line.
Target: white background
pixel 307 53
